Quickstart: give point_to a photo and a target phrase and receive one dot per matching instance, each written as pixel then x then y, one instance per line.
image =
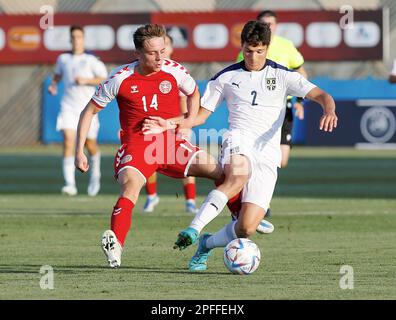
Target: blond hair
pixel 147 32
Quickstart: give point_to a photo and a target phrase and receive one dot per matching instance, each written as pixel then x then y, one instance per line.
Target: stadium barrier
pixel 366 110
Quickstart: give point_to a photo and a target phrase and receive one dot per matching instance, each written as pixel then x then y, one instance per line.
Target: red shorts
pixel 168 154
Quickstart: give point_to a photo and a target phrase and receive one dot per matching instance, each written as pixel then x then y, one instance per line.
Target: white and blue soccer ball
pixel 242 256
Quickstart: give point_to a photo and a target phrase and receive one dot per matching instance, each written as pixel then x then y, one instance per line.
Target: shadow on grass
pixel 72 269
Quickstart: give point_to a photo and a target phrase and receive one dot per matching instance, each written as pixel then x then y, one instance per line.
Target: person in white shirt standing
pixel 255 91
pixel 80 72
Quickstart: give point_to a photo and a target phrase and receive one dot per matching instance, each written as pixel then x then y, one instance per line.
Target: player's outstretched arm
pixel 329 119
pixel 89 81
pixel 192 110
pixel 202 115
pixel 155 125
pixel 81 161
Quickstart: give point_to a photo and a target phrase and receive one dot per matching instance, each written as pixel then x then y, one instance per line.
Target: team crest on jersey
pixel 270 83
pixel 165 86
pixel 134 89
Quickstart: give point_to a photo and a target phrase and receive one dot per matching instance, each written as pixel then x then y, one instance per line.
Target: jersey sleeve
pixel 296 58
pixel 187 83
pixel 58 66
pixel 213 95
pixel 107 90
pixel 99 68
pixel 297 85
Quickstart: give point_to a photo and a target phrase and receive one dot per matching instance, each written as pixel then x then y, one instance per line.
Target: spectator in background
pixel 80 72
pixel 189 182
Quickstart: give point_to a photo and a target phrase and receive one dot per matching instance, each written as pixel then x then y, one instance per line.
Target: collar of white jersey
pixel 268 63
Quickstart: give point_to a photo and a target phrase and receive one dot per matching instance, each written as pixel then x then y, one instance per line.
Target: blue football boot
pixel 199 262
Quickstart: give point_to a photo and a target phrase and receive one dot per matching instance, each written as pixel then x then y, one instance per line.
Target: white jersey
pixel 256 103
pixel 71 66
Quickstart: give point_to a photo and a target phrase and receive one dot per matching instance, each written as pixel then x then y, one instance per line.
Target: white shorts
pixel 68 119
pixel 262 180
pixel 261 185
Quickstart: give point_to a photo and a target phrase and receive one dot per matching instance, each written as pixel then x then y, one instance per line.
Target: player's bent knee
pixel 130 195
pixel 131 192
pixel 245 231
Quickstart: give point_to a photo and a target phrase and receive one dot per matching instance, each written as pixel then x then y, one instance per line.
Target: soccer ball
pixel 242 256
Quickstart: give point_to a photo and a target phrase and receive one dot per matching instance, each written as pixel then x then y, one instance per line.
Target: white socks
pixel 95 165
pixel 68 171
pixel 222 237
pixel 212 206
pixel 69 168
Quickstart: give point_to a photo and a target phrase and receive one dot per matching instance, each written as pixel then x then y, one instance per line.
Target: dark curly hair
pixel 255 33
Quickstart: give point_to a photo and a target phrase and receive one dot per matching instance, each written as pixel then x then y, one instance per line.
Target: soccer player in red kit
pixel 147 87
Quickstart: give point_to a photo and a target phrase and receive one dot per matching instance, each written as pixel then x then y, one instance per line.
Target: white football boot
pixel 111 248
pixel 70 190
pixel 93 186
pixel 190 206
pixel 264 227
pixel 151 203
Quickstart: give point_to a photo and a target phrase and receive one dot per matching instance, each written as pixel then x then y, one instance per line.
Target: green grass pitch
pixel 331 207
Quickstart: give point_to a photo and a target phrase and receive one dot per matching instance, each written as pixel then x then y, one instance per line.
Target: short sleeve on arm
pixel 105 92
pixel 297 85
pixel 213 95
pixel 108 89
pixel 58 66
pixel 99 68
pixel 187 85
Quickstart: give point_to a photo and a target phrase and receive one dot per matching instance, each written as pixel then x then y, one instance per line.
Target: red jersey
pixel 139 97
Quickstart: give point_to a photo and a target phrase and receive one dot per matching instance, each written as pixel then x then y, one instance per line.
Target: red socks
pixel 190 191
pixel 121 218
pixel 151 188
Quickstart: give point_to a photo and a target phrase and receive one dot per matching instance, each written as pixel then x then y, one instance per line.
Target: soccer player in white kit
pixel 80 72
pixel 255 91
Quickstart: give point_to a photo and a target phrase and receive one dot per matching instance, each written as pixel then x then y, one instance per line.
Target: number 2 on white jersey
pixel 254 94
pixel 153 104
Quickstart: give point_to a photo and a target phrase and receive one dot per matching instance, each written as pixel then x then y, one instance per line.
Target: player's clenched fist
pixel 81 162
